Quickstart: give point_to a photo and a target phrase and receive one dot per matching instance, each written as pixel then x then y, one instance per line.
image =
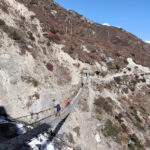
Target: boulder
pixel 104 69
pixel 97 138
pixel 13 80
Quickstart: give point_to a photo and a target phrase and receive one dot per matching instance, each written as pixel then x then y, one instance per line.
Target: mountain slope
pixel 44 50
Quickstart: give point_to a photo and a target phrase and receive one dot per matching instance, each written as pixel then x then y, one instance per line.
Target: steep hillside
pixel 78 34
pixel 44 50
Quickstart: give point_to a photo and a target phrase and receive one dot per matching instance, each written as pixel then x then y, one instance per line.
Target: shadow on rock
pixel 8 128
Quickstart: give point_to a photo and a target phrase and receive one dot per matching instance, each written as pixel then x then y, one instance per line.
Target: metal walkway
pixel 46 125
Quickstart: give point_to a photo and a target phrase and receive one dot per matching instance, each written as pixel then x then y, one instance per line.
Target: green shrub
pixel 31 36
pixel 133 54
pixel 117 79
pixel 139 126
pixel 53 31
pixel 15 35
pixel 131 146
pixel 133 109
pixel 103 104
pixel 132 88
pixel 35 83
pixel 137 118
pixel 71 50
pixel 2 22
pixel 111 129
pixel 119 118
pixel 134 82
pixel 135 114
pixel 125 61
pixel 117 67
pixel 32 2
pixel 124 128
pixel 136 141
pixel 4 7
pixel 143 80
pixel 104 59
pixel 117 54
pixel 129 68
pixel 48 43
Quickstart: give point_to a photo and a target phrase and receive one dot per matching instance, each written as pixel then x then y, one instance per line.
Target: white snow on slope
pixel 43 141
pixel 106 24
pixel 147 42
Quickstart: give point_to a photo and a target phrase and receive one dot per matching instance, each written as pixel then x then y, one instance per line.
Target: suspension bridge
pixel 45 124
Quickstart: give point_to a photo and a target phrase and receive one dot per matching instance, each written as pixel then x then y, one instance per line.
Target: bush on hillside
pixel 119 117
pixel 125 61
pixel 2 22
pixel 48 43
pixel 35 83
pixel 33 2
pixel 49 66
pixel 138 125
pixel 132 54
pixel 53 37
pixel 15 35
pixel 111 129
pixel 117 54
pixel 53 31
pixel 117 67
pixel 117 80
pixel 131 146
pixel 103 104
pixel 143 80
pixel 124 128
pixel 4 7
pixel 31 36
pixel 71 49
pixel 132 88
pixel 136 141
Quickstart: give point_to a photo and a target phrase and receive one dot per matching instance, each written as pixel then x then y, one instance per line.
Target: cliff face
pixel 43 52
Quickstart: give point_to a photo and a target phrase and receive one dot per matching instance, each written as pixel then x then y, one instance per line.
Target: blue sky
pixel 131 15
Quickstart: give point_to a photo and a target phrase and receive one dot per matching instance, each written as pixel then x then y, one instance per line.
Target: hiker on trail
pixel 68 101
pixel 86 74
pixel 58 109
pixel 82 84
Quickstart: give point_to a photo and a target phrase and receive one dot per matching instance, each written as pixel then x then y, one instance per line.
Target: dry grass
pixel 4 7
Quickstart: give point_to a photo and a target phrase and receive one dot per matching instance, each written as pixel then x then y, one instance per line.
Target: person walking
pixel 82 84
pixel 58 109
pixel 68 101
pixel 86 74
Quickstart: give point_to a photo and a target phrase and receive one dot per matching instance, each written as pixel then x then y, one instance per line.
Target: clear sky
pixel 131 15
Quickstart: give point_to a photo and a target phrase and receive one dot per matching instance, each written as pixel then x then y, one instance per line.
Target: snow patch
pixel 147 42
pixel 106 24
pixel 53 12
pixel 85 49
pixel 43 141
pixel 97 138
